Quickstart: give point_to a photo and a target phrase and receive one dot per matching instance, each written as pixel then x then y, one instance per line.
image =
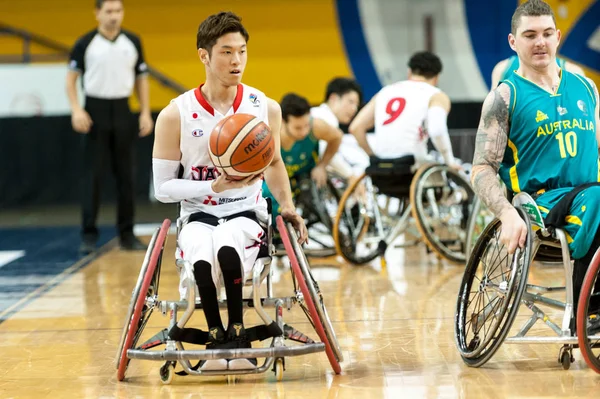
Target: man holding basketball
pixel 221 233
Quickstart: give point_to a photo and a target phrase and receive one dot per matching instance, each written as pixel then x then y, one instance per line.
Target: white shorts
pixel 200 241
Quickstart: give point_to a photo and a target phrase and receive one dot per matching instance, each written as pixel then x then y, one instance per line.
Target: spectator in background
pixel 111 64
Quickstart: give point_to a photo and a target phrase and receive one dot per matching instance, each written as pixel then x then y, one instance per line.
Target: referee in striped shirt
pixel 111 64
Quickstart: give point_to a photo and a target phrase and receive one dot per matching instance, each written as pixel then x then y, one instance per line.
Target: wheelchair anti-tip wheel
pixel 490 294
pixel 312 299
pixel 588 316
pixel 442 200
pixel 142 298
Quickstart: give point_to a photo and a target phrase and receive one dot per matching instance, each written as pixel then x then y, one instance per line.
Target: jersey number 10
pixel 394 108
pixel 569 141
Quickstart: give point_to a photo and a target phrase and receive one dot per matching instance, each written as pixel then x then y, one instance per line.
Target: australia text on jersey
pixel 551 127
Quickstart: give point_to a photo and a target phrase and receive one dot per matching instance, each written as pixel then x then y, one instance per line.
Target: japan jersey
pixel 401 119
pixel 198 118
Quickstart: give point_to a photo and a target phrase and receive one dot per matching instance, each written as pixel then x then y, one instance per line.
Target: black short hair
pixel 426 64
pixel 294 105
pixel 341 86
pixel 217 25
pixel 531 8
pixel 100 3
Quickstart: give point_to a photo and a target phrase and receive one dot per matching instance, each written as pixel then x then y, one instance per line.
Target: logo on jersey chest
pixel 204 173
pixel 197 132
pixel 254 99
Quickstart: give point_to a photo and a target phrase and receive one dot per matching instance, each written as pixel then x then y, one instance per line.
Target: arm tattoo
pixel 490 144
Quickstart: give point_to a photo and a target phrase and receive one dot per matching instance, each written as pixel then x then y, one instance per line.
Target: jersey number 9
pixel 394 108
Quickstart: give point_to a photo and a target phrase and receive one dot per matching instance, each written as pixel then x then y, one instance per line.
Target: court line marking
pixel 56 280
pixel 7 257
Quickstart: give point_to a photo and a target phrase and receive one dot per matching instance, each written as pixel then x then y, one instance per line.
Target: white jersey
pixel 198 118
pixel 325 113
pixel 401 119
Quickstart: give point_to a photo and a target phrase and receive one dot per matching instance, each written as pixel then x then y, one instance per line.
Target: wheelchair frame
pixel 475 353
pixel 411 219
pixel 145 299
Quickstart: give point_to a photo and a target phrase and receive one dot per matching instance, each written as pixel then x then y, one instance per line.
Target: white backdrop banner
pixel 34 90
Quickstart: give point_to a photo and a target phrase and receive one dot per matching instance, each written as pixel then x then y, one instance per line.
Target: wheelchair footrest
pixel 175 355
pixel 200 337
pixel 159 338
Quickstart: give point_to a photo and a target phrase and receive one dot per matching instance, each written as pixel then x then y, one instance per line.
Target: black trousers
pixel 110 140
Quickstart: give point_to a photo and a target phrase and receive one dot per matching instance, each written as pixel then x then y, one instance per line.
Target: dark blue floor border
pixel 56 280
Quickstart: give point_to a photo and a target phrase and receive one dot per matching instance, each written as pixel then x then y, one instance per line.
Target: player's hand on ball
pixel 290 215
pixel 225 182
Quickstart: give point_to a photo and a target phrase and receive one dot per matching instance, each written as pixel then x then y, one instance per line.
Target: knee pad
pixel 229 259
pixel 203 273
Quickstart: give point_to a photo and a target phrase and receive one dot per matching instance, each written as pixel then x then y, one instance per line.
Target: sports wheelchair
pixel 495 284
pixel 306 293
pixel 390 199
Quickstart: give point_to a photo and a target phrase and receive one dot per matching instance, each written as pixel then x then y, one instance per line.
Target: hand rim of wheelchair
pixel 488 347
pixel 352 258
pixel 149 273
pixel 587 288
pixel 320 320
pixel 416 195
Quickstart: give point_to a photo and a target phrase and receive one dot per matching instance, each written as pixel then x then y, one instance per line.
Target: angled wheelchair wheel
pixel 313 305
pixel 479 218
pixel 318 207
pixel 490 294
pixel 364 221
pixel 442 200
pixel 588 315
pixel 139 310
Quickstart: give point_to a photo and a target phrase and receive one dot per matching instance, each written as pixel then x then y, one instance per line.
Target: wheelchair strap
pixel 556 216
pixel 199 337
pixel 207 218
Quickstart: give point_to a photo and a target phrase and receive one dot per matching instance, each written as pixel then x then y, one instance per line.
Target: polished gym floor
pixel 61 317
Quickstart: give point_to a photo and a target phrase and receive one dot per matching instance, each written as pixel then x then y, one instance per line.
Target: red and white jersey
pixel 198 118
pixel 401 119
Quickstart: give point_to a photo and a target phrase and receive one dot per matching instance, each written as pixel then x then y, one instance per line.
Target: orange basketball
pixel 241 145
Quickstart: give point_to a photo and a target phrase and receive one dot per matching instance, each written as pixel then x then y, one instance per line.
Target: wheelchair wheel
pixel 146 287
pixel 318 207
pixel 442 200
pixel 490 294
pixel 588 316
pixel 479 218
pixel 313 306
pixel 364 221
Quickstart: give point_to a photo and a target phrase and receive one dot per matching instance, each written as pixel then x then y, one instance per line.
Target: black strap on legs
pixel 207 218
pixel 556 216
pixel 199 337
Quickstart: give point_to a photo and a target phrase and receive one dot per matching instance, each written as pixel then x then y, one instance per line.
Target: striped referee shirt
pixel 108 67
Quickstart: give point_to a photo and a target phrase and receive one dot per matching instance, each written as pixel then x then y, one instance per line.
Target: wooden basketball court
pixel 395 327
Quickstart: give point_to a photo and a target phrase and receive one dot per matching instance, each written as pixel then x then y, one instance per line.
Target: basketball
pixel 241 145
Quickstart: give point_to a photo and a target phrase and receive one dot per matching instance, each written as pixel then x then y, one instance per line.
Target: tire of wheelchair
pixel 417 212
pixel 318 209
pixel 346 251
pixel 484 351
pixel 585 346
pixel 147 284
pixel 301 272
